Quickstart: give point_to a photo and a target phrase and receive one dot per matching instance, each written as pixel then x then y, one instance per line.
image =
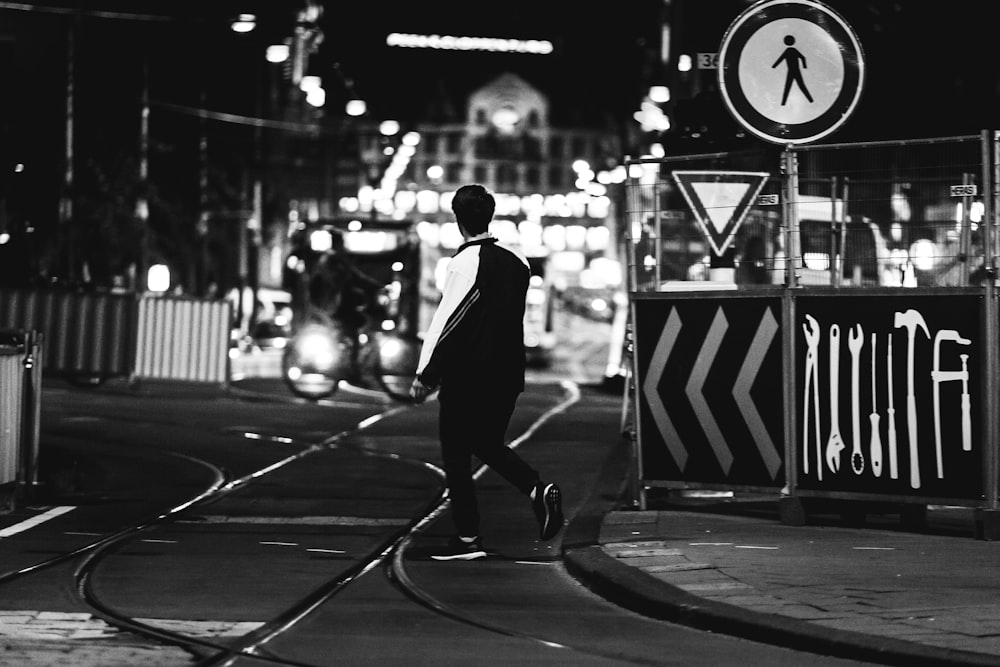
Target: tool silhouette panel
pixel 888 397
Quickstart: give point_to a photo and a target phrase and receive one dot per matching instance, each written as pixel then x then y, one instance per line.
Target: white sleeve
pixel 460 279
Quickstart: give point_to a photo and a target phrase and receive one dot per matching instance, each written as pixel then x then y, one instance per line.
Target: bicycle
pixel 320 357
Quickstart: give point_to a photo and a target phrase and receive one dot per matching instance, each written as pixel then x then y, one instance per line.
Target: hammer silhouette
pixel 911 319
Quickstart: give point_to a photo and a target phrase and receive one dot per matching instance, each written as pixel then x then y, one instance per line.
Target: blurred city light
pixel 659 94
pixel 607 271
pixel 453 43
pixel 976 211
pixel 505 231
pixel 389 127
pixel 924 254
pixel 310 83
pixel 277 53
pixel 158 278
pixel 684 63
pixel 356 108
pixel 321 240
pixel 244 23
pixel 316 97
pixel 651 117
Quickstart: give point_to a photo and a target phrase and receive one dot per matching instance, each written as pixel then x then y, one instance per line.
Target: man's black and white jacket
pixel 476 338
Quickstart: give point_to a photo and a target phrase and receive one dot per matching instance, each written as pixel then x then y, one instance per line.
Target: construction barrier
pixel 819 323
pixel 20 411
pixel 11 368
pixel 86 333
pixel 94 335
pixel 182 339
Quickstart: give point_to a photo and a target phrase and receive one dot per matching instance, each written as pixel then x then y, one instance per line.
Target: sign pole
pixel 791 509
pixel 987 518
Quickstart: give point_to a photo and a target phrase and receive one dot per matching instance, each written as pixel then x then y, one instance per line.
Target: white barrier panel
pixel 183 339
pixel 11 370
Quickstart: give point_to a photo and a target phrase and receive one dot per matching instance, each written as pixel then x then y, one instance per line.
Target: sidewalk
pixel 878 593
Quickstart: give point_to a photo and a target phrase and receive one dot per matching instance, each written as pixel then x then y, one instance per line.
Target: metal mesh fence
pixel 885 214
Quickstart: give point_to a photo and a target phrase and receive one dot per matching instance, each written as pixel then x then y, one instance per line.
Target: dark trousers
pixel 474 422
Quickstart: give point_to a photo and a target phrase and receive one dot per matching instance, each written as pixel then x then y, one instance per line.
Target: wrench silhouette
pixel 835 443
pixel 856 341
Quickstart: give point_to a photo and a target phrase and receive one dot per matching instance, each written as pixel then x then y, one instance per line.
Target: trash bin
pixel 20 412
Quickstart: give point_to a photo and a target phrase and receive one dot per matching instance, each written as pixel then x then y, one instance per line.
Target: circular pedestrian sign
pixel 790 71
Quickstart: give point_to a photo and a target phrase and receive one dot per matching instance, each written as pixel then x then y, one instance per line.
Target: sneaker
pixel 459 549
pixel 548 508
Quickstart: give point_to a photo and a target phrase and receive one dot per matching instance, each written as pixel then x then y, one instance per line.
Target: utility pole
pixel 142 201
pixel 67 238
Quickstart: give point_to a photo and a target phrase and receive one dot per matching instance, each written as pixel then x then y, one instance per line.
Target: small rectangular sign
pixel 708 61
pixel 767 200
pixel 964 191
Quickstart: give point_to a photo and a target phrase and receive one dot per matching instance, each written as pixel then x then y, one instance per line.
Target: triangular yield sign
pixel 720 200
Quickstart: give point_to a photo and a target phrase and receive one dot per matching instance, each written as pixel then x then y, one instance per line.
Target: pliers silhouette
pixel 812 333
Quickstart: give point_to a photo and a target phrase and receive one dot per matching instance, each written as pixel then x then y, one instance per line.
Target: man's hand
pixel 419 391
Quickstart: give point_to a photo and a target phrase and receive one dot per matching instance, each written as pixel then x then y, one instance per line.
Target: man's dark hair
pixel 473 207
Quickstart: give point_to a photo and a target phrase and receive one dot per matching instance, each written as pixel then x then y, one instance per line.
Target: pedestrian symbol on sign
pixel 792 57
pixel 801 48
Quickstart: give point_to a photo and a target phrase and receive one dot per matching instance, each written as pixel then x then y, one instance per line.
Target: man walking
pixel 474 351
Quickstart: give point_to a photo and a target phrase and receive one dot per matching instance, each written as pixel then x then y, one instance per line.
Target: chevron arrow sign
pixel 709 373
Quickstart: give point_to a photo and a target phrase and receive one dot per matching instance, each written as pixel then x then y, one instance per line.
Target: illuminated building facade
pixel 553 199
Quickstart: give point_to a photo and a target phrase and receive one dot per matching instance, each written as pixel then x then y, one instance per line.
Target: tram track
pixel 85 572
pixel 390 552
pixel 393 556
pixel 94 552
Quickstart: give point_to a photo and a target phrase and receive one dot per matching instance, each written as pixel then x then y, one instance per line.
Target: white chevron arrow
pixel 651 390
pixel 706 355
pixel 744 383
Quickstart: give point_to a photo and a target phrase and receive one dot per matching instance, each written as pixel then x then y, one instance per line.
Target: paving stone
pixel 638 553
pixel 678 567
pixel 631 518
pixel 710 586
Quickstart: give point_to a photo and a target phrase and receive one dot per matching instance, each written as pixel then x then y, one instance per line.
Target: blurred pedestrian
pixel 473 353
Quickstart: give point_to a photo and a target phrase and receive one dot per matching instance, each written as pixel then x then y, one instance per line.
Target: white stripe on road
pixel 301 520
pixel 35 520
pixel 42 626
pixel 874 548
pixel 747 546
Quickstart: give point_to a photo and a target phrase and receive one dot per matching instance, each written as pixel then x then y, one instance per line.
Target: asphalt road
pixel 241 525
pixel 247 527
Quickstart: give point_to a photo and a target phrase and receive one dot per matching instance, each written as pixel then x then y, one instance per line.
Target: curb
pixel 633 589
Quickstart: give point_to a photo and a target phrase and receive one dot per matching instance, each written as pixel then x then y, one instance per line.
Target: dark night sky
pixel 931 72
pixel 931 67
